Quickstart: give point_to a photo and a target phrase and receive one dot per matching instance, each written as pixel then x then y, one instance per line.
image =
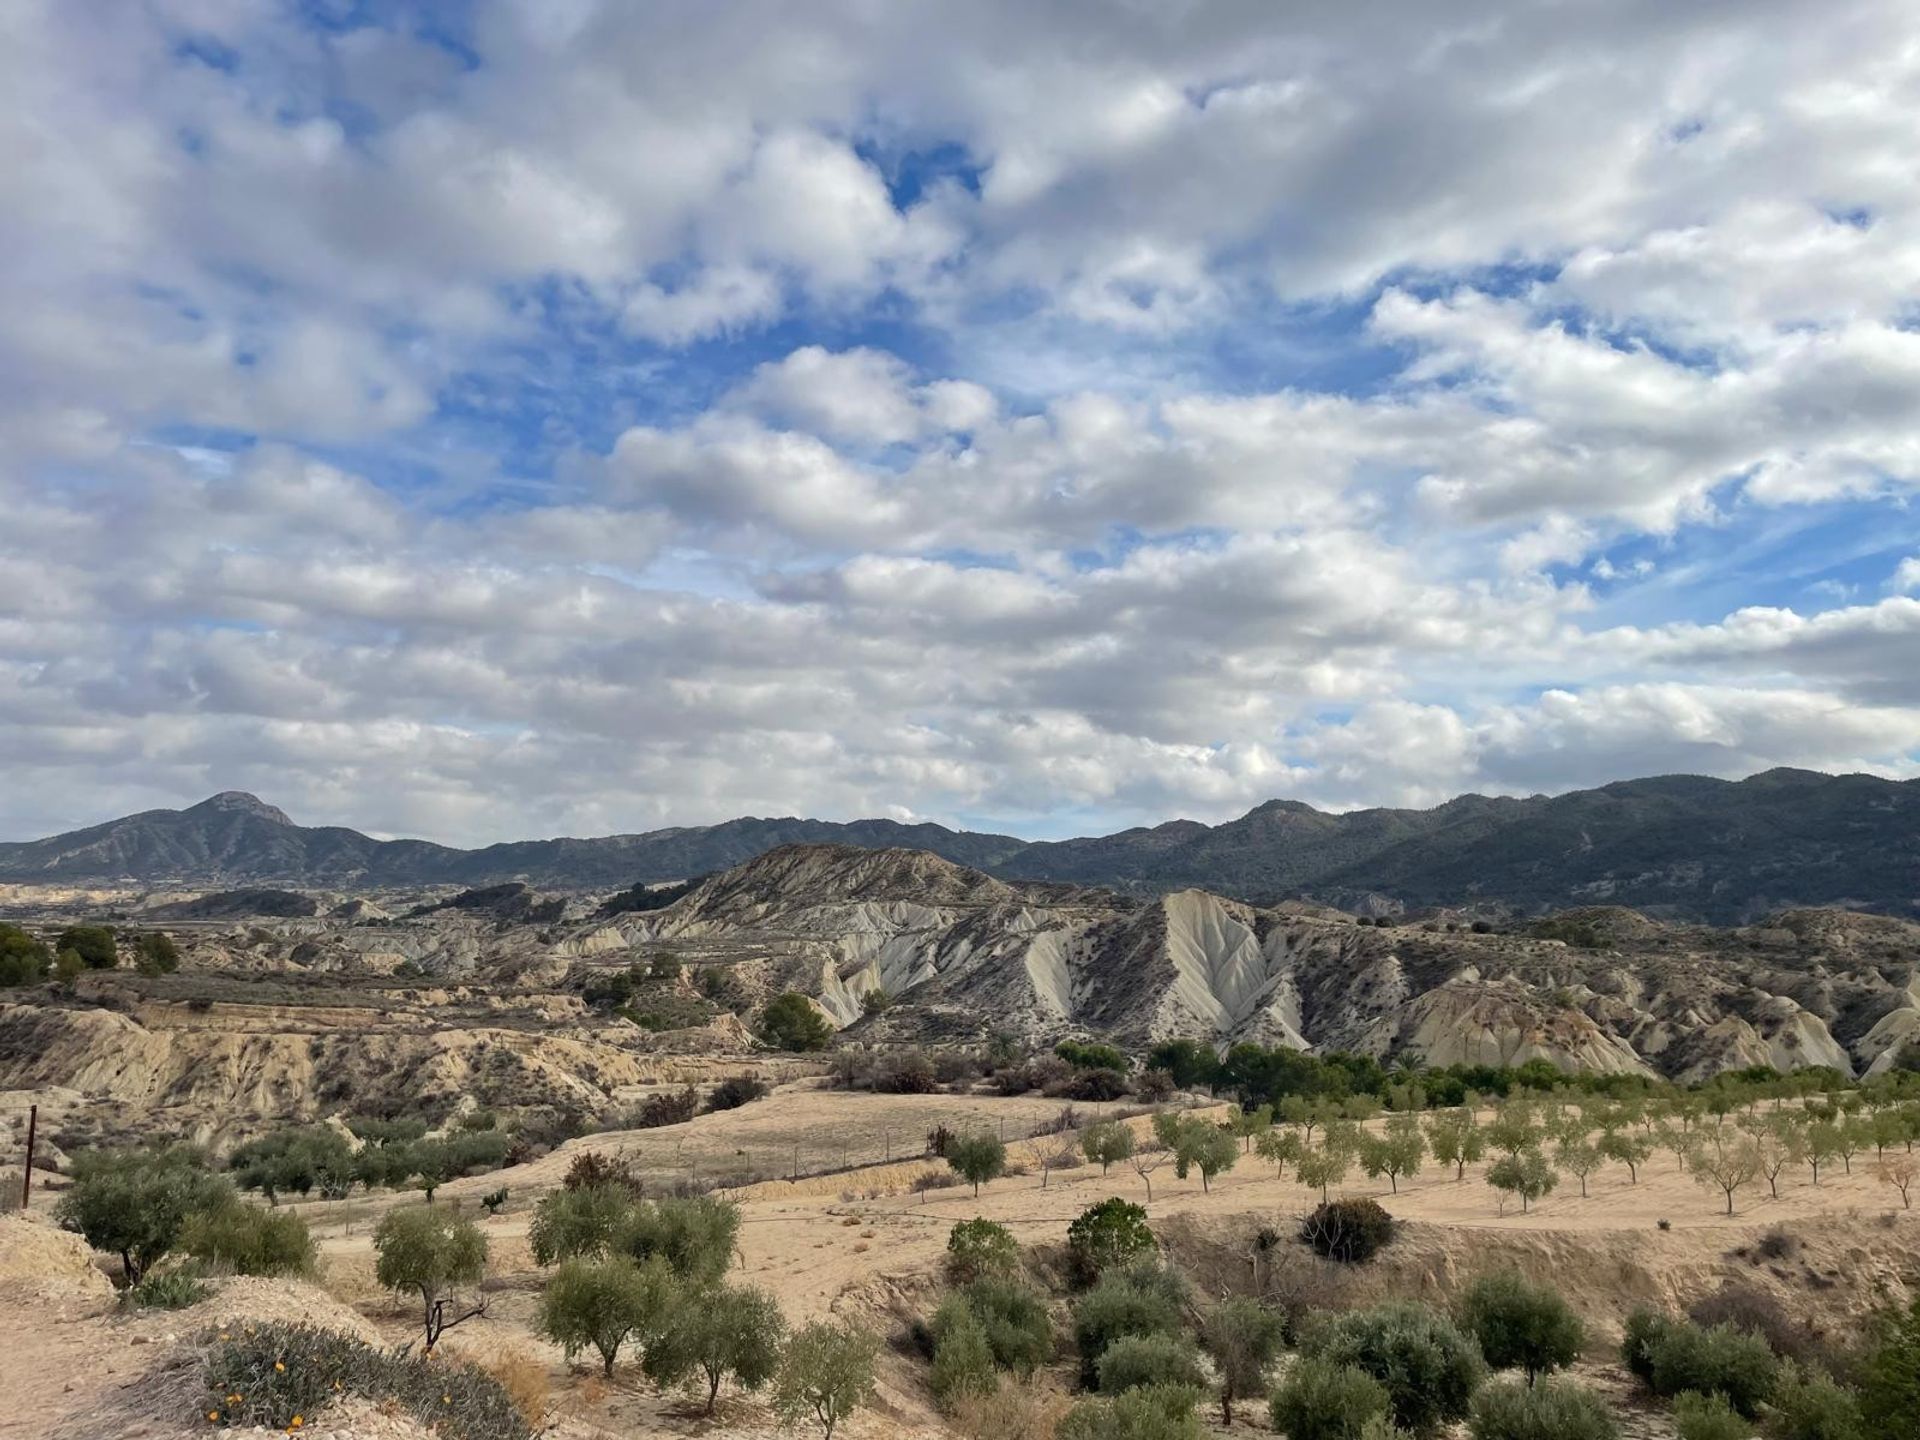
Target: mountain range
pixel 1685 846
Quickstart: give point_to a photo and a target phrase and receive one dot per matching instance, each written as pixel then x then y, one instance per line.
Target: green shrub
pixel 246 1240
pixel 962 1360
pixel 1103 1236
pixel 1889 1374
pixel 1134 1361
pixel 1551 1410
pixel 737 1090
pixel 1430 1368
pixel 793 1022
pixel 1521 1325
pixel 1351 1231
pixel 1153 1413
pixel 1637 1339
pixel 23 959
pixel 156 954
pixel 1144 1300
pixel 1708 1417
pixel 1322 1401
pixel 976 1248
pixel 269 1374
pixel 1808 1405
pixel 1088 1056
pixel 1674 1356
pixel 94 944
pixel 167 1290
pixel 1015 1320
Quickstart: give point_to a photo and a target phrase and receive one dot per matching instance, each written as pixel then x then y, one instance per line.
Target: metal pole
pixel 26 1179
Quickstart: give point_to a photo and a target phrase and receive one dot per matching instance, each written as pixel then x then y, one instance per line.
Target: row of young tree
pixel 1729 1137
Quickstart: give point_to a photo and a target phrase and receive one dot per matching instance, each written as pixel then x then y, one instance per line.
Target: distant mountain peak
pixel 239 802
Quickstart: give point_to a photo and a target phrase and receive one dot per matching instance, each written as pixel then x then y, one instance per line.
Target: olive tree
pixel 135 1203
pixel 977 1157
pixel 1521 1325
pixel 1106 1142
pixel 1243 1337
pixel 825 1374
pixel 726 1331
pixel 433 1251
pixel 604 1303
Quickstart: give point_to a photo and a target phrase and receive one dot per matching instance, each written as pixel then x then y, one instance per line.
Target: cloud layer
pixel 572 417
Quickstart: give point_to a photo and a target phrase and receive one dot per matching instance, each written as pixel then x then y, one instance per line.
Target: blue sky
pixel 497 419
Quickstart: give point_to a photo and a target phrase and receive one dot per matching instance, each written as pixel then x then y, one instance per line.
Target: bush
pixel 1521 1325
pixel 1085 1055
pixel 167 1290
pixel 433 1252
pixel 94 944
pixel 1144 1300
pixel 1430 1368
pixel 244 1239
pixel 825 1375
pixel 604 1303
pixel 1551 1410
pixel 1350 1231
pixel 156 954
pixel 1136 1360
pixel 1749 1309
pixel 962 1359
pixel 1018 1330
pixel 1019 1410
pixel 134 1203
pixel 23 959
pixel 1323 1401
pixel 1889 1373
pixel 1154 1413
pixel 270 1374
pixel 1674 1356
pixel 1808 1405
pixel 1109 1234
pixel 735 1091
pixel 670 1107
pixel 910 1073
pixel 793 1022
pixel 977 1248
pixel 1708 1417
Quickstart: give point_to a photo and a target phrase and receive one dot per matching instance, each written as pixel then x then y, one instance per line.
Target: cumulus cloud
pixel 1058 415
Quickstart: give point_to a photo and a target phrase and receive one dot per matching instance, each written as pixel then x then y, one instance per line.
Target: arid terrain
pixel 562 1014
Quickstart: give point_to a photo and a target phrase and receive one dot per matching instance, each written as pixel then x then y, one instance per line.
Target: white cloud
pixel 620 419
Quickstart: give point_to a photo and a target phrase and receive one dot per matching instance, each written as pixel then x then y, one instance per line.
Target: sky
pixel 491 419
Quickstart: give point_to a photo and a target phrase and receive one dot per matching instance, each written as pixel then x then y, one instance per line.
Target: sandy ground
pixel 864 1244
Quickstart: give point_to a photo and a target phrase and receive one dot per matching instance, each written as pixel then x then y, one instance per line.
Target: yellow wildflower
pixel 213 1414
pixel 278 1365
